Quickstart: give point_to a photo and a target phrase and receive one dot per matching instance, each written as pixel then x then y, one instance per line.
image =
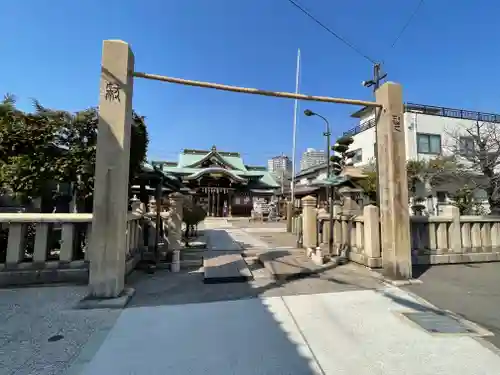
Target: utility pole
pixel 282 181
pixel 329 189
pixel 378 76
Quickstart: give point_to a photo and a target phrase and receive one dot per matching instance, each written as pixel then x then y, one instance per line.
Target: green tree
pixel 467 205
pixel 27 150
pixel 341 157
pixel 193 214
pixel 78 138
pixel 430 173
pixel 479 148
pixel 369 183
pixel 52 145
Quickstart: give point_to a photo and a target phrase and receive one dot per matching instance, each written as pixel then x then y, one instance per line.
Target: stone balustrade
pixel 44 248
pixel 434 239
pixel 354 236
pixel 39 247
pixel 455 239
pixel 135 239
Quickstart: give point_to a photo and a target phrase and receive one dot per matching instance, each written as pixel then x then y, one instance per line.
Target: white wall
pixel 366 142
pixel 448 128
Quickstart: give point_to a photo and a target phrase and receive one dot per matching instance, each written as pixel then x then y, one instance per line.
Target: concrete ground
pixel 357 332
pixel 272 233
pixel 342 321
pixel 470 290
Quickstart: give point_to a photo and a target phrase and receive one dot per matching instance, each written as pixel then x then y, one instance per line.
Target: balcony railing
pixel 433 111
pixel 360 128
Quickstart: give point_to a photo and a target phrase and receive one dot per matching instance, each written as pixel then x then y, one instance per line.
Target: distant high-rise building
pixel 281 169
pixel 280 166
pixel 312 157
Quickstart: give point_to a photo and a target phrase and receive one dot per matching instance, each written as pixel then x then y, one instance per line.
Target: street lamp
pixel 327 134
pixel 329 193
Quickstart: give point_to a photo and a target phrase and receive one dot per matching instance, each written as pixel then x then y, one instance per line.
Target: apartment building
pixel 312 157
pixel 280 165
pixel 430 132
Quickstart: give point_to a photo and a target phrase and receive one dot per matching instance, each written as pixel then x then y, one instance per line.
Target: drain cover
pixel 439 323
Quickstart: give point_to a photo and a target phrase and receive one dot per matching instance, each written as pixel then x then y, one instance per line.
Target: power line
pixel 410 19
pixel 343 40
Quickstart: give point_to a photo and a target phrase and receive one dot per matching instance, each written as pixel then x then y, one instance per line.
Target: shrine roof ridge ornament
pixel 214 148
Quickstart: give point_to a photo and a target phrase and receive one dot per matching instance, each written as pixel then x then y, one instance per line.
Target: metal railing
pixel 360 128
pixel 452 112
pixel 433 111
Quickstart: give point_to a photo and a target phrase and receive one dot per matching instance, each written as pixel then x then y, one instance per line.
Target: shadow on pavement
pixel 419 270
pixel 186 287
pixel 241 335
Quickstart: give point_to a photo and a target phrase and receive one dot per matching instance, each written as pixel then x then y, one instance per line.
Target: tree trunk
pixel 494 195
pixel 429 199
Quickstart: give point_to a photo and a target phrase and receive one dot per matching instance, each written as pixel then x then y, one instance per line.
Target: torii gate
pixel 107 243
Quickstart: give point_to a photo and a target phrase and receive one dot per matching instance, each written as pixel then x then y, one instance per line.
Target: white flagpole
pixel 294 137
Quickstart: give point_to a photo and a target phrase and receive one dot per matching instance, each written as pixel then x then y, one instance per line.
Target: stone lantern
pixel 351 199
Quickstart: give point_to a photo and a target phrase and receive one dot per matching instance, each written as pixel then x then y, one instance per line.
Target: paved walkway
pixel 361 332
pixel 223 234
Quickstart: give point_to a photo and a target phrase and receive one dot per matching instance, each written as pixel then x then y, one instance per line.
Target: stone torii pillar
pixel 393 186
pixel 109 221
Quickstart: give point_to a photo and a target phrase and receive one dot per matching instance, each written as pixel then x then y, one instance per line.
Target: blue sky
pixel 51 51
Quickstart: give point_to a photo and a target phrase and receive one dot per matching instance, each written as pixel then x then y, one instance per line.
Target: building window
pixel 428 143
pixel 466 145
pixel 358 157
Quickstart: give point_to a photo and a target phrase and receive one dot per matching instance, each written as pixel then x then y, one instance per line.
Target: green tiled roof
pixel 189 159
pixel 268 179
pixel 235 161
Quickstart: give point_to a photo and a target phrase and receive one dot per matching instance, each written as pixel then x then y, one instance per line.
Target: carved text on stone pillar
pixel 396 123
pixel 112 92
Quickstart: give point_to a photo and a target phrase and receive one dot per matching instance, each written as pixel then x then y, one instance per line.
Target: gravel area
pixel 41 333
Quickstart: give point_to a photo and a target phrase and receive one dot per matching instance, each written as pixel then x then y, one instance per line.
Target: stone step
pixel 225 267
pixel 289 264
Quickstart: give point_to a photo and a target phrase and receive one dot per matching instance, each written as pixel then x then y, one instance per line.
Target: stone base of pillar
pixel 176 261
pixel 119 302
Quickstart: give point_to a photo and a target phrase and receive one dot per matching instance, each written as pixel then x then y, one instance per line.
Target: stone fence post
pixel 309 225
pixel 175 229
pixel 289 216
pixel 455 232
pixel 372 233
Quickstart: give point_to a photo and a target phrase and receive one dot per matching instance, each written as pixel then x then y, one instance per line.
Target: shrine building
pixel 220 181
